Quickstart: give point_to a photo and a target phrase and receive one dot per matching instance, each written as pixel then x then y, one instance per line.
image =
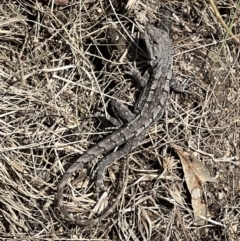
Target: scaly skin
pixel 150 108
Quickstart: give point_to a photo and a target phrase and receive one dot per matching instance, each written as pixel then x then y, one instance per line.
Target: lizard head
pixel 159 47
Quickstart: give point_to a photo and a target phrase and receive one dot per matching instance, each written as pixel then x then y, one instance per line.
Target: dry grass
pixel 58 65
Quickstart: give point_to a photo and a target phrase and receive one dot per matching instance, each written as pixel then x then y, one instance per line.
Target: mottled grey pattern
pixel 148 109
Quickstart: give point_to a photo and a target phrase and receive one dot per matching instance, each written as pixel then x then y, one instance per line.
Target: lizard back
pixel 150 108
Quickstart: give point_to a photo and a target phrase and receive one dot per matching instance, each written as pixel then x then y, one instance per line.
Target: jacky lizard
pixel 148 109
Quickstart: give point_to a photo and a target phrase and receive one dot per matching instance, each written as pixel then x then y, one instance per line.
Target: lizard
pixel 149 108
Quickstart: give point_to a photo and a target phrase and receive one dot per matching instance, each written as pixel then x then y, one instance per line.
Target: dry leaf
pixel 195 175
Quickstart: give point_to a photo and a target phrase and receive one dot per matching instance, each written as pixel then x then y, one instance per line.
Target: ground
pixel 61 63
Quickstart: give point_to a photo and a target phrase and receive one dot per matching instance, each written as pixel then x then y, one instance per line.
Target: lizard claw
pixel 131 67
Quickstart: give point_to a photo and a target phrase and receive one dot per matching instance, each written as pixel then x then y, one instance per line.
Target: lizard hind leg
pixel 105 162
pixel 141 80
pixel 122 113
pixel 113 157
pixel 121 116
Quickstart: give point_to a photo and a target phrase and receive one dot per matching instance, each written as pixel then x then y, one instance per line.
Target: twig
pixel 222 22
